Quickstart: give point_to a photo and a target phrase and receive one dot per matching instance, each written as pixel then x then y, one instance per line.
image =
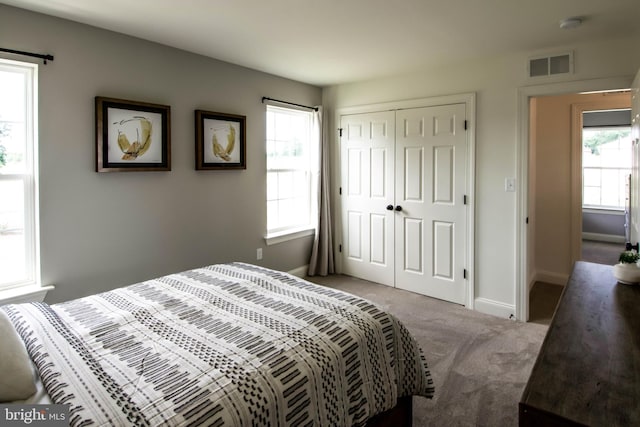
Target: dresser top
pixel 588 368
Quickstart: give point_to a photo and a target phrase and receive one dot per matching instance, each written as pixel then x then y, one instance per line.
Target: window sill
pixel 605 211
pixel 275 238
pixel 32 293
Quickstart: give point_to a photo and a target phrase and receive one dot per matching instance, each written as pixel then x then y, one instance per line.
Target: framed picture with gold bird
pixel 220 141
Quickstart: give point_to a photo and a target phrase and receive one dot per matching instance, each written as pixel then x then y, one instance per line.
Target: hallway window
pixel 606 165
pixel 18 173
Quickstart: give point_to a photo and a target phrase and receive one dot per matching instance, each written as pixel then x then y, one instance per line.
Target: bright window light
pixel 19 264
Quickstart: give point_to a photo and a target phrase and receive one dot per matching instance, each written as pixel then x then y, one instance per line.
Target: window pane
pixel 272 215
pixel 301 183
pixel 591 177
pixel 13 121
pixel 272 185
pixel 289 168
pixel 286 213
pixel 591 196
pixel 18 240
pixel 606 162
pixel 285 185
pixel 12 238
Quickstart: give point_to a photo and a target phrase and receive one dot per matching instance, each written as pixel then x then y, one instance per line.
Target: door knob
pixel 389 207
pixel 398 208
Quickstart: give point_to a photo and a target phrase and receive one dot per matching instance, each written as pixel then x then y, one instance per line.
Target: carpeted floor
pixel 479 363
pixel 601 252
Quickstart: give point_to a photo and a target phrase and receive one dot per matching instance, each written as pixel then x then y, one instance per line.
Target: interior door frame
pixel 522 155
pixel 469 99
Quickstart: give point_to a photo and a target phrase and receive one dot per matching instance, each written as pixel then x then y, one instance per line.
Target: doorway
pixel 577 188
pixel 563 190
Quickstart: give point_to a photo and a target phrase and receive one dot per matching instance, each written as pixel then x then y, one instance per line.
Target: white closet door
pixel 367 155
pixel 430 185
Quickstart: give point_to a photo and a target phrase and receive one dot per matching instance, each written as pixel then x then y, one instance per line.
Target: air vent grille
pixel 551 65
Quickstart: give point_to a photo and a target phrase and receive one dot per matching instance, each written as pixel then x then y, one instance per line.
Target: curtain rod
pixel 264 98
pixel 44 57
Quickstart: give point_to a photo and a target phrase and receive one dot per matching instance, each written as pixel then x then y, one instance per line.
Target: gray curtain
pixel 321 262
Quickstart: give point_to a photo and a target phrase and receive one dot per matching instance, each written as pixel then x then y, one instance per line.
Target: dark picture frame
pixel 220 141
pixel 132 136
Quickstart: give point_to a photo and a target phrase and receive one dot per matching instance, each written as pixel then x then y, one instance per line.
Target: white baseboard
pixel 300 271
pixel 551 277
pixel 612 238
pixel 495 308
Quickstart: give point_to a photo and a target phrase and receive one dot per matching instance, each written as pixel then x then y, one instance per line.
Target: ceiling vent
pixel 551 65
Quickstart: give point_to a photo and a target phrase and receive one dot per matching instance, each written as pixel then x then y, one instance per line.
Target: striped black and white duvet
pixel 229 344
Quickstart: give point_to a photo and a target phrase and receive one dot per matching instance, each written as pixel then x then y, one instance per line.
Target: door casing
pixel 522 156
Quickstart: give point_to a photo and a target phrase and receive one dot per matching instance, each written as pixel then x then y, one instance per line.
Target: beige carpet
pixel 480 363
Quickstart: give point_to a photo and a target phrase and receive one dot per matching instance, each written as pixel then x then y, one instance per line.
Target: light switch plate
pixel 510 184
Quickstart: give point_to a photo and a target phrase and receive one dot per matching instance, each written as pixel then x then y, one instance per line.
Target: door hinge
pixel 340 248
pixel 465 125
pixel 464 199
pixel 526 220
pixel 464 273
pixel 340 129
pixel 340 191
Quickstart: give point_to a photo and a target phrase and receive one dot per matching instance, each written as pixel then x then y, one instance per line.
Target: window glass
pixel 18 240
pixel 606 165
pixel 291 161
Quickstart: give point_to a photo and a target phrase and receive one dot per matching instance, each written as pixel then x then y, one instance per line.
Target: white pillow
pixel 17 380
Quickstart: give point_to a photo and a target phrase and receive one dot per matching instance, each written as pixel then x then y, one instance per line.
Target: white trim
pixel 522 156
pixel 604 211
pixel 284 236
pixel 495 308
pixel 22 294
pixel 599 237
pixel 469 99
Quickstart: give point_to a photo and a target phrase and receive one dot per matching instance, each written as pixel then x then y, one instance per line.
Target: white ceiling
pixel 324 42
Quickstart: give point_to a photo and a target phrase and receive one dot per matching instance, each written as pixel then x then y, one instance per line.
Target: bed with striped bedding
pixel 228 344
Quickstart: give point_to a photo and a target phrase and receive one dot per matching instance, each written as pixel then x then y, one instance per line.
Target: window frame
pixel 601 169
pixel 29 176
pixel 281 234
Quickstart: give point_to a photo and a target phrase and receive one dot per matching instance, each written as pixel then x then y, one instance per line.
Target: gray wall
pixel 100 231
pixel 603 223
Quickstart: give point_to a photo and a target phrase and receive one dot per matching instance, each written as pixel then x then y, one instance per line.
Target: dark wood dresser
pixel 588 368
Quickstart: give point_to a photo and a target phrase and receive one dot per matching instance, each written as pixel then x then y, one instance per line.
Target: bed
pixel 227 344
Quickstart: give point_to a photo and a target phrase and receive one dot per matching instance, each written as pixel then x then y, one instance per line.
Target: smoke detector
pixel 569 23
